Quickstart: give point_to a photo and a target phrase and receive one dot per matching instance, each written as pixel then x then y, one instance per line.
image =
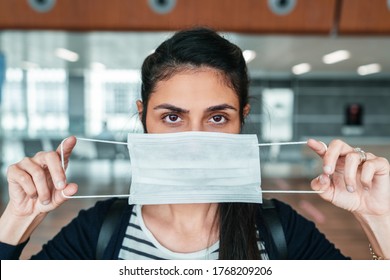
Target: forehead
pixel 193 85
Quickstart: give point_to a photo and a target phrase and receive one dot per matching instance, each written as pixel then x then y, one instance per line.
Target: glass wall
pixel 61 83
pixel 111 97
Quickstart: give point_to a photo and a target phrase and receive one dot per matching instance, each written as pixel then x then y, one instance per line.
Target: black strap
pixel 274 227
pixel 110 223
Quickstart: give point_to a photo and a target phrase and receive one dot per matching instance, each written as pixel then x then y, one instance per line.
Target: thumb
pixel 65 194
pixel 322 183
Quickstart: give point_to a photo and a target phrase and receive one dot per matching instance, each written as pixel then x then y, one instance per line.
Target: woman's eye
pixel 172 118
pixel 218 119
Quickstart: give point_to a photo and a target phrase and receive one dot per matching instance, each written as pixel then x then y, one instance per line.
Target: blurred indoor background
pixel 319 69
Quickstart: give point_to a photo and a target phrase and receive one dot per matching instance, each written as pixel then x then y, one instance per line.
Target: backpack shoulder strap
pixel 110 223
pixel 269 215
pixel 274 227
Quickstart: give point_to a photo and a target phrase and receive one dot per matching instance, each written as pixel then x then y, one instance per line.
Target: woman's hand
pixel 350 182
pixel 36 184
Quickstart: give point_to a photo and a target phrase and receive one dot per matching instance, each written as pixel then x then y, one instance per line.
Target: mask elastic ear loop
pixel 128 195
pixel 289 191
pixel 281 144
pixel 63 163
pixel 63 167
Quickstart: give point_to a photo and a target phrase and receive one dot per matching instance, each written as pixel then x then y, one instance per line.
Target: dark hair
pixel 195 48
pixel 192 49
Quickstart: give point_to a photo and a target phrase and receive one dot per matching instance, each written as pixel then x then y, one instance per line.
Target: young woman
pixel 195 81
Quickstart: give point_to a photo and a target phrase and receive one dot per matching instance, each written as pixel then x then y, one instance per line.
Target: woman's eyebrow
pixel 220 107
pixel 170 107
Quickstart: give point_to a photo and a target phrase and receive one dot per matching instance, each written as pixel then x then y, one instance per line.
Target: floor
pixel 339 225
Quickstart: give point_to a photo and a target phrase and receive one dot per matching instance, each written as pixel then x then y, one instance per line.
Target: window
pixel 277 124
pixel 13 103
pixel 111 97
pixel 47 100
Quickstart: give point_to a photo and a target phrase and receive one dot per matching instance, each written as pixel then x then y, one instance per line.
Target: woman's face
pixel 197 100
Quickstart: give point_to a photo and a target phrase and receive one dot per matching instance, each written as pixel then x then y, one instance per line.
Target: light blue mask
pixel 194 167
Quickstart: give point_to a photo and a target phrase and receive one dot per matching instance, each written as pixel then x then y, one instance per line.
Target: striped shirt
pixel 140 244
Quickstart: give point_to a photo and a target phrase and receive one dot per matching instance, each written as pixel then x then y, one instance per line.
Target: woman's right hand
pixel 36 184
pixel 35 188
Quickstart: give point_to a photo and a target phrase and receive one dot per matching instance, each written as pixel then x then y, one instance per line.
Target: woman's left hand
pixel 356 181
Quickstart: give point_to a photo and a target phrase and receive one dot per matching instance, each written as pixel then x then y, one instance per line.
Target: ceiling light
pixel 98 66
pixel 67 54
pixel 249 55
pixel 336 56
pixel 300 69
pixel 369 69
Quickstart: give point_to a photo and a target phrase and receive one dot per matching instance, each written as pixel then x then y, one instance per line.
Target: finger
pixel 18 178
pixel 320 183
pixel 375 166
pixel 38 177
pixel 336 149
pixel 69 190
pixel 50 162
pixel 64 150
pixel 323 184
pixel 317 146
pixel 352 163
pixel 53 163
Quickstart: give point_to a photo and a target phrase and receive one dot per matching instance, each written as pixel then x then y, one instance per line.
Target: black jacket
pixel 78 239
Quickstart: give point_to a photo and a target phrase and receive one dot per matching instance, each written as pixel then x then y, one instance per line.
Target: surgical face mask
pixel 194 167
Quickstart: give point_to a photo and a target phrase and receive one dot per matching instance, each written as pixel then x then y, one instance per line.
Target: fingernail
pixel 322 179
pixel 46 202
pixel 60 184
pixel 350 189
pixel 327 169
